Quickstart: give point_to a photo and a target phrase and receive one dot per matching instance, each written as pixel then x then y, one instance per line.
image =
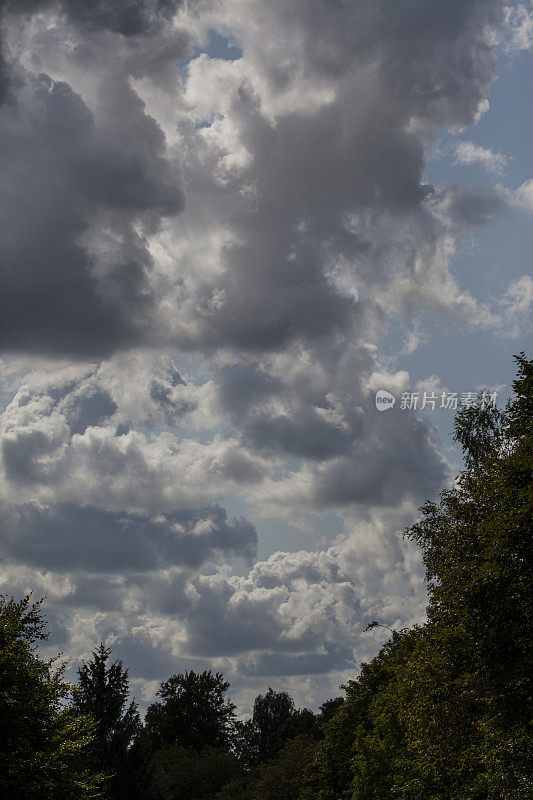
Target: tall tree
pixel 274 720
pixel 42 738
pixel 445 711
pixel 103 693
pixel 192 712
pixel 470 723
pixel 362 754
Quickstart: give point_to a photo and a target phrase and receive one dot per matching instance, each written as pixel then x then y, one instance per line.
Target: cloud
pixel 125 527
pixel 201 258
pixel 71 440
pixel 524 195
pixel 276 161
pixel 469 153
pixel 520 25
pixel 516 306
pixel 521 197
pixel 68 537
pixel 73 274
pixel 129 18
pixel 85 181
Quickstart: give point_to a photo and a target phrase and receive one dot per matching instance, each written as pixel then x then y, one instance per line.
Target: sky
pixel 225 227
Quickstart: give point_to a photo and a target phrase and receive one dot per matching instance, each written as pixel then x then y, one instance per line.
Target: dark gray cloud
pixel 313 663
pixel 127 17
pixel 434 56
pixel 22 456
pixel 246 394
pixel 92 185
pixel 60 169
pixel 394 459
pixel 4 76
pixel 466 208
pixel 307 436
pixel 68 537
pixel 151 664
pixel 240 386
pixel 92 409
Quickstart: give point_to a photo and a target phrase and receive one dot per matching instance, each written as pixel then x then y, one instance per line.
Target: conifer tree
pixel 103 694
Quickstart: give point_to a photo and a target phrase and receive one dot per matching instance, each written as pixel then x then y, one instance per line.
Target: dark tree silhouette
pixel 42 738
pixel 192 712
pixel 274 720
pixel 103 693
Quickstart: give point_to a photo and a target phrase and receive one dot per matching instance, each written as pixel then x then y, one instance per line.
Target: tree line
pixel 443 712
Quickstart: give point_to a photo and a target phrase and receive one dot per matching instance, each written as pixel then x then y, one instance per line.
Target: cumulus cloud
pixel 470 153
pixel 516 306
pixel 68 537
pixel 73 261
pixel 126 527
pixel 71 439
pixel 289 164
pixel 261 219
pixel 295 614
pixel 521 197
pixel 83 187
pixel 520 27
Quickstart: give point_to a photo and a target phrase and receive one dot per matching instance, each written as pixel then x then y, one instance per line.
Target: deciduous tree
pixel 42 737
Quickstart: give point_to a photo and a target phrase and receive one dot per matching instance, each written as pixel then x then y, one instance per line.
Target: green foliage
pixel 444 712
pixel 361 754
pixel 281 778
pixel 192 712
pixel 180 773
pixel 328 709
pixel 470 713
pixel 102 693
pixel 274 720
pixel 478 429
pixel 42 739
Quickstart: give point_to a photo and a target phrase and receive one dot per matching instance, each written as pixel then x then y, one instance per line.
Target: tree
pixel 445 711
pixel 470 715
pixel 192 712
pixel 362 752
pixel 281 778
pixel 274 720
pixel 42 738
pixel 102 693
pixel 479 431
pixel 180 773
pixel 328 709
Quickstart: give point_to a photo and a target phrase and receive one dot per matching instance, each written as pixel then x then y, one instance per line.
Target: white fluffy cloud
pixel 520 23
pixel 470 153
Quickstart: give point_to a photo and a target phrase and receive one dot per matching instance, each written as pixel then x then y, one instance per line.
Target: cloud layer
pixel 204 247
